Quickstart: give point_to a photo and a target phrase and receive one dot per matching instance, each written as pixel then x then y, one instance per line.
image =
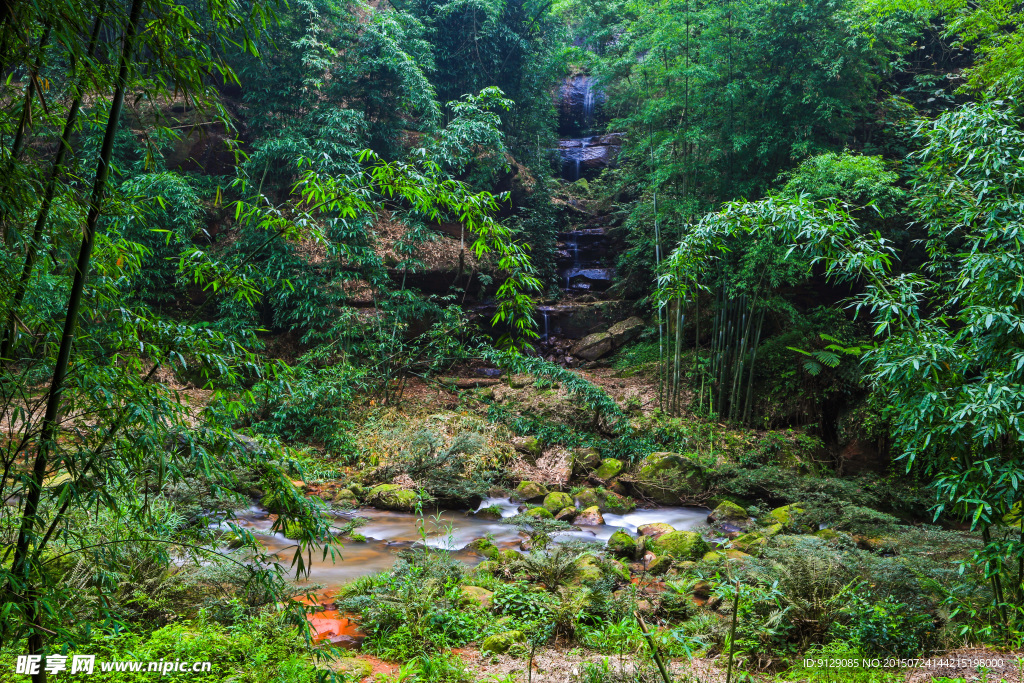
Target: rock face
pixel 681 545
pixel 392 497
pixel 593 346
pixel 626 331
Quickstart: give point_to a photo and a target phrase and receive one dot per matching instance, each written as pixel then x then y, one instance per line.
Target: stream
pixel 388 532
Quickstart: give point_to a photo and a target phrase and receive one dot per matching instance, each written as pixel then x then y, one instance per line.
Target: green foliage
pixel 516 600
pixel 888 629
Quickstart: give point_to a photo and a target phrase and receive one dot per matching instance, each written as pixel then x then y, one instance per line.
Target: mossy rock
pixel 530 492
pixel 352 669
pixel 728 511
pixel 529 446
pixel 622 544
pixel 509 555
pixel 590 516
pixel 345 499
pixel 660 565
pixel 784 515
pixel 356 537
pixel 488 566
pixel 733 554
pixel 713 557
pixel 500 643
pixel 609 468
pixel 539 512
pixel 476 597
pixel 663 477
pixel 827 534
pixel 774 530
pixel 750 543
pixel 615 503
pixel 357 489
pixel 589 570
pixel 482 546
pixel 587 498
pixel 585 460
pixel 878 544
pixel 655 529
pixel 392 497
pixel 557 501
pixel 567 514
pixel 493 512
pixel 680 545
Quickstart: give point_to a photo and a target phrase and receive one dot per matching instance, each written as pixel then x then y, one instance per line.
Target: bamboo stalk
pixel 753 359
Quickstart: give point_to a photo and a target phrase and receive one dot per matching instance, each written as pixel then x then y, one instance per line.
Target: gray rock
pixel 626 331
pixel 593 346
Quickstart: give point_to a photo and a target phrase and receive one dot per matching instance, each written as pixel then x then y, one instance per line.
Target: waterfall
pixel 588 104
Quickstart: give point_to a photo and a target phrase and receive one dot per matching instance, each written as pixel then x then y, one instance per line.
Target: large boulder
pixel 626 331
pixel 392 497
pixel 654 529
pixel 566 514
pixel 539 513
pixel 557 501
pixel 530 492
pixel 609 468
pixel 500 643
pixel 529 446
pixel 593 346
pixel 750 543
pixel 589 517
pixel 486 548
pixel 681 545
pixel 730 512
pixel 587 498
pixel 585 460
pixel 476 597
pixel 622 544
pixel 664 477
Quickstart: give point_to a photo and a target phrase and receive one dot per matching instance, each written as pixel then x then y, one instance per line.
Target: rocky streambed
pixel 387 532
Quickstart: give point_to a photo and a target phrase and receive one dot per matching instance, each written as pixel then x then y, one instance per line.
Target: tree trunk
pixel 21 566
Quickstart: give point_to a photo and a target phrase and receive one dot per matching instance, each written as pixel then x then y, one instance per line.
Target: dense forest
pixel 599 341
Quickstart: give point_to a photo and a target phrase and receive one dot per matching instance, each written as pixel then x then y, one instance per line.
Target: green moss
pixel 681 545
pixel 539 512
pixel 500 643
pixel 587 498
pixel 530 491
pixel 392 497
pixel 727 511
pixel 556 501
pixel 609 468
pixel 784 515
pixel 484 547
pixel 622 544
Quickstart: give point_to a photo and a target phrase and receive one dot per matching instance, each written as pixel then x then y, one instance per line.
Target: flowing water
pixel 388 532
